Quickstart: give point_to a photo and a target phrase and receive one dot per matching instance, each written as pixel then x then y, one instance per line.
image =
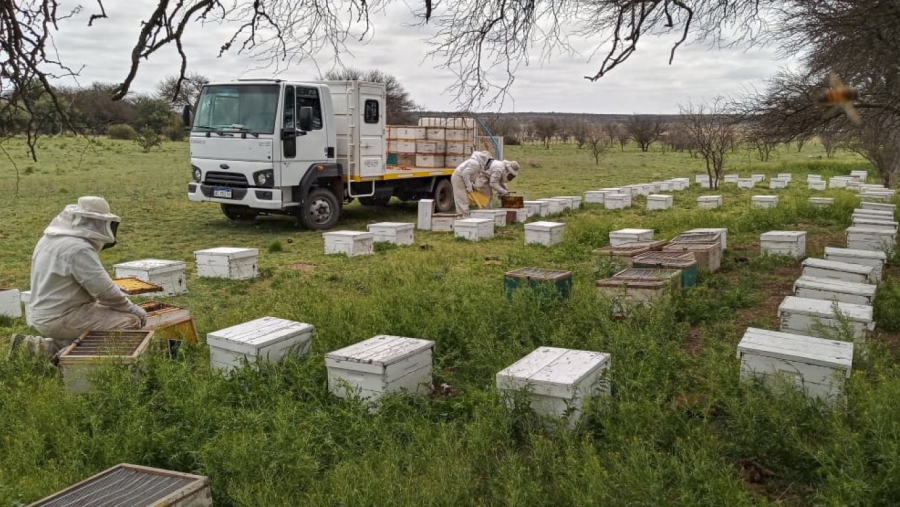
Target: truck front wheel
pixel 320 210
pixel 443 196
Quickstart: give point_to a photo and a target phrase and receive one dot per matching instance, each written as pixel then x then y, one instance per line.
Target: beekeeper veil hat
pixel 90 219
pixel 512 169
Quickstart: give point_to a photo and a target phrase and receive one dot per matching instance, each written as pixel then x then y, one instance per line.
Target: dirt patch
pixel 694 342
pixel 816 243
pixel 302 266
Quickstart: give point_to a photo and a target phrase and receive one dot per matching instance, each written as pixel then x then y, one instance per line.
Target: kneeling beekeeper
pixel 70 291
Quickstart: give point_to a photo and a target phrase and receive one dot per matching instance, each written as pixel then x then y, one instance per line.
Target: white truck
pixel 270 146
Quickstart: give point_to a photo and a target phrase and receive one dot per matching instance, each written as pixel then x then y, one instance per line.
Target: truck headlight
pixel 196 173
pixel 264 178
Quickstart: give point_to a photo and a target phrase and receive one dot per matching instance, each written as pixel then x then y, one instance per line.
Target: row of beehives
pixel 833 299
pixel 621 197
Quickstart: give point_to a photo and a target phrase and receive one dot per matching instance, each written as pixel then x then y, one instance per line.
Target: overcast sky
pixel 646 83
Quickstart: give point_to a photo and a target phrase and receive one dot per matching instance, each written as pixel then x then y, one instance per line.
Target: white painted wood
pixel 816 185
pixel 874 223
pixel 878 206
pixel 25 297
pixel 873 213
pixel 498 216
pixel 379 366
pixel 831 289
pixel 785 176
pixel 572 201
pixel 10 303
pixel 874 259
pixel 731 178
pixel 617 201
pixel 813 177
pixel 521 215
pixel 721 231
pixel 709 201
pixel 758 177
pixel 817 366
pixel 821 202
pixel 349 243
pixel 425 210
pixel 474 229
pixel 778 183
pixel 663 186
pixel 538 208
pixel 544 233
pixel 877 195
pixel 555 206
pixel 263 339
pixel 623 236
pixel 838 182
pixel 594 196
pixel 816 317
pixel 397 233
pixel 227 262
pixel 558 381
pixel 823 268
pixel 867 238
pixel 791 243
pixel 746 183
pixel 167 274
pixel 764 201
pixel 659 201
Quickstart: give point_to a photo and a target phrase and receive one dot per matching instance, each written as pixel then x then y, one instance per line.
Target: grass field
pixel 679 429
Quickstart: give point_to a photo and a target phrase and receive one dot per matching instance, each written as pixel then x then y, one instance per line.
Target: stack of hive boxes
pixel 434 143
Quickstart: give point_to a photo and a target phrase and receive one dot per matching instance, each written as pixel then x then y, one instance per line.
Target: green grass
pixel 678 430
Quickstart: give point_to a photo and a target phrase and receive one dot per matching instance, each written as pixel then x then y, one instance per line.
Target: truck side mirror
pixel 186 116
pixel 306 118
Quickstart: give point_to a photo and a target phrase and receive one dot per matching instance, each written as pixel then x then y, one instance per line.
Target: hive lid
pixel 393 225
pixel 777 236
pixel 131 285
pixel 488 212
pixel 684 246
pixel 870 230
pixel 114 343
pixel 847 267
pixel 228 251
pixel 257 333
pixel 679 260
pixel 792 347
pixel 870 221
pixel 709 198
pixel 631 232
pixel 825 309
pixel 660 197
pixel 552 371
pixel 381 350
pixel 852 252
pixel 626 250
pixel 473 221
pixel 764 198
pixel 633 283
pixel 698 237
pixel 153 265
pixel 539 274
pixel 834 285
pixel 544 226
pixel 647 274
pixel 348 234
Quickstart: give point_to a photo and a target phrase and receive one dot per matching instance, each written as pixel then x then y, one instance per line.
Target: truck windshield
pixel 245 108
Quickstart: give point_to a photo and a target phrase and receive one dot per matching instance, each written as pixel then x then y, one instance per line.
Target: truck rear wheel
pixel 320 210
pixel 443 196
pixel 239 213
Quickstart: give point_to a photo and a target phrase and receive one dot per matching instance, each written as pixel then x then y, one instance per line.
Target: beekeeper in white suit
pixel 70 291
pixel 463 179
pixel 496 178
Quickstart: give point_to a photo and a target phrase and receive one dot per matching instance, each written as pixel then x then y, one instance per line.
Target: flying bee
pixel 839 97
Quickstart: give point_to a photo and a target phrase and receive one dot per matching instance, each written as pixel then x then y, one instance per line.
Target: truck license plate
pixel 222 192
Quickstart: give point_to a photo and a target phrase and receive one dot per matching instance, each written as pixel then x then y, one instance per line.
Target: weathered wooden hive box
pixel 683 261
pixel 95 348
pixel 708 254
pixel 167 274
pixel 867 238
pixel 817 366
pixel 721 231
pixel 617 201
pixel 816 184
pixel 544 233
pixel 821 202
pixel 778 183
pixel 263 339
pixel 512 201
pixel 874 223
pixel 838 182
pixel 871 258
pixel 10 303
pixel 746 182
pixel 758 177
pixel 633 286
pixel 830 289
pixel 823 268
pixel 623 255
pixel 623 236
pixel 786 176
pixel 878 206
pixel 228 262
pixel 764 201
pixel 170 322
pixel 443 222
pixel 817 317
pixel 498 216
pixel 379 366
pixel 474 229
pixel 791 243
pixel 555 206
pixel 709 201
pixel 537 208
pixel 659 201
pixel 556 283
pixel 397 233
pixel 557 381
pixel 349 243
pixel 25 296
pixel 126 485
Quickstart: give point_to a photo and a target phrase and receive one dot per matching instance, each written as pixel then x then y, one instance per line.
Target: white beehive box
pixel 871 258
pixel 830 289
pixel 379 366
pixel 853 185
pixel 402 146
pixel 785 176
pixel 554 206
pixel 746 182
pixel 679 184
pixel 778 183
pixel 575 200
pixel 791 243
pixel 436 133
pixel 877 195
pixel 816 184
pixel 703 181
pixel 126 485
pixel 349 243
pixel 874 223
pixel 537 208
pixel 545 233
pixel 659 201
pixel 617 201
pixel 474 229
pixel 813 177
pixel 424 211
pixel 823 268
pixel 167 274
pixel 397 233
pixel 498 216
pixel 25 296
pixel 709 201
pixel 860 175
pixel 263 339
pixel 443 222
pixel 878 206
pixel 721 231
pixel 817 366
pixel 430 147
pixel 427 160
pixel 10 303
pixel 872 213
pixel 817 317
pixel 623 236
pixel 665 186
pixel 594 196
pixel 764 201
pixel 564 203
pixel 866 238
pixel 864 187
pixel 515 215
pixel 821 202
pixel 457 148
pixel 558 381
pixel 758 177
pixel 458 134
pixel 227 262
pixel 454 160
pixel 731 178
pixel 838 182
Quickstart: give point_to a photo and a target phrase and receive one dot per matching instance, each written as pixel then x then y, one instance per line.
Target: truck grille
pixel 221 179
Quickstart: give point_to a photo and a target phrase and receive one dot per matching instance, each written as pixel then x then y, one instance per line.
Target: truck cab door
pixel 371 130
pixel 305 148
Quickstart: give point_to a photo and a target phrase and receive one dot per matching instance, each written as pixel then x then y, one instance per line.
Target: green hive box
pixel 554 283
pixel 392 159
pixel 684 261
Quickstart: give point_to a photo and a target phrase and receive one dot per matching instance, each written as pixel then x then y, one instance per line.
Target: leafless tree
pixel 179 94
pixel 400 107
pixel 545 128
pixel 580 131
pixel 712 133
pixel 644 129
pixel 596 140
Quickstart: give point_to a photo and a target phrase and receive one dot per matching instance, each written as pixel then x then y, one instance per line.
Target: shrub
pixel 147 139
pixel 174 130
pixel 122 131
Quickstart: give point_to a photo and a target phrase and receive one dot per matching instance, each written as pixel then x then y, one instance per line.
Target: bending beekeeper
pixel 70 291
pixel 496 178
pixel 463 179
